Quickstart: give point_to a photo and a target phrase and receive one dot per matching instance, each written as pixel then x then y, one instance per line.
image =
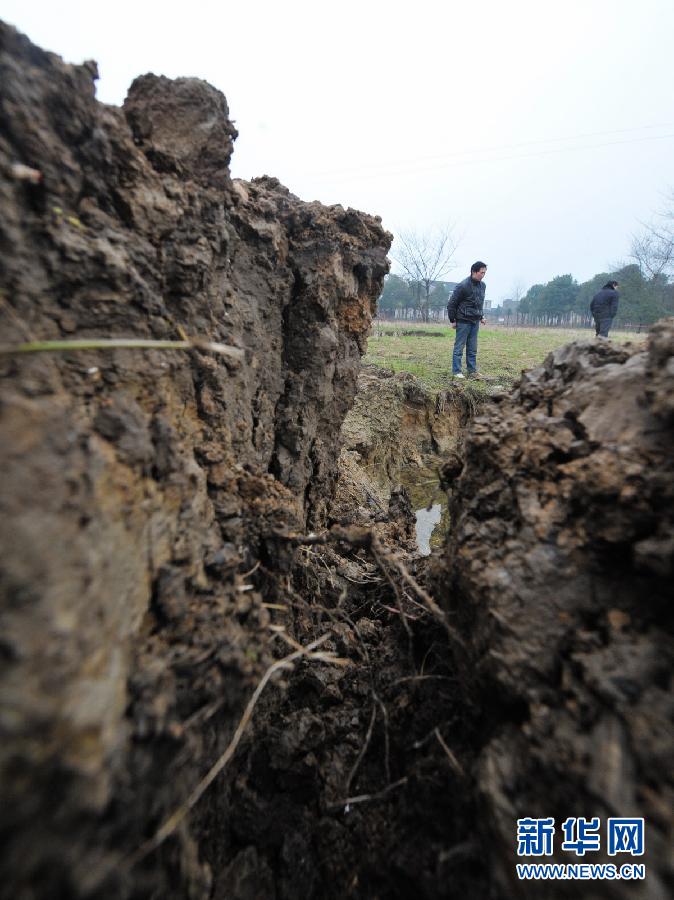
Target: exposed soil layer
pixel 558 571
pixel 397 435
pixel 173 523
pixel 396 423
pixel 345 788
pixel 139 487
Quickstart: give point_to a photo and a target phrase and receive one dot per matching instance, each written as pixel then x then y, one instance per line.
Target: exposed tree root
pixel 389 563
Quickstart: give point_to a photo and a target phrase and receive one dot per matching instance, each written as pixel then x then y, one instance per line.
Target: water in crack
pixel 427 519
pixel 429 501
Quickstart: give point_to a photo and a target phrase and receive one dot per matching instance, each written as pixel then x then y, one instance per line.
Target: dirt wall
pixel 395 422
pixel 558 572
pixel 140 486
pixel 145 585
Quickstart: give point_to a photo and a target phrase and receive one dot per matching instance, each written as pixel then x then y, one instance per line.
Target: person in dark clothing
pixel 465 307
pixel 604 307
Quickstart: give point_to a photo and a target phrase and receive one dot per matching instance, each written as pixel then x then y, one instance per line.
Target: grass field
pixel 502 352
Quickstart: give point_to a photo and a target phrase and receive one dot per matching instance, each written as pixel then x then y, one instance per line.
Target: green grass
pixel 502 352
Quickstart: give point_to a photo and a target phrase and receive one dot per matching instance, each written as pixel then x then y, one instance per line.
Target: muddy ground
pixel 176 523
pixel 398 434
pixel 560 561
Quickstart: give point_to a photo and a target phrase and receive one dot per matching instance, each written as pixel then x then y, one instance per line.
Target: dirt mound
pixel 171 540
pixel 139 487
pixel 558 572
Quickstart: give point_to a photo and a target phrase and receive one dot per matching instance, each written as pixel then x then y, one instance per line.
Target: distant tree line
pixel 646 286
pixel 564 302
pixel 406 298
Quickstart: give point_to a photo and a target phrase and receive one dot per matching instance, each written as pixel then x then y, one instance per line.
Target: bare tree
pixel 518 290
pixel 653 249
pixel 425 258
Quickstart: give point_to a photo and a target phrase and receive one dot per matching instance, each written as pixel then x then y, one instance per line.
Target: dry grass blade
pixel 453 761
pixel 385 558
pixel 387 766
pixel 363 749
pixel 329 657
pixel 119 344
pixel 364 798
pixel 412 678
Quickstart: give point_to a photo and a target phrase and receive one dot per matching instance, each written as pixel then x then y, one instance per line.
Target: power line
pixel 379 173
pixel 442 156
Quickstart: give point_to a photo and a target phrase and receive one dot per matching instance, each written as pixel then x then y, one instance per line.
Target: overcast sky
pixel 543 131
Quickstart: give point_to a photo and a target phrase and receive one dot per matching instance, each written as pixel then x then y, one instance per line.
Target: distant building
pixel 448 287
pixel 503 310
pixel 511 305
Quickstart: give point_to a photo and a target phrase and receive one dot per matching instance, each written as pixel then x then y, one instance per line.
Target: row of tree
pixel 563 301
pixel 407 299
pixel 646 285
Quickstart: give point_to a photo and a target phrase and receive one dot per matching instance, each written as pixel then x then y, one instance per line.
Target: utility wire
pixel 387 173
pixel 443 156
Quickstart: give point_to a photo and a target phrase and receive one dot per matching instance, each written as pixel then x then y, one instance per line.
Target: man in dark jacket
pixel 465 308
pixel 604 306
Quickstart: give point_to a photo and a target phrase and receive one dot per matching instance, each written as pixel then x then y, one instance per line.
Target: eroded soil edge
pixel 170 528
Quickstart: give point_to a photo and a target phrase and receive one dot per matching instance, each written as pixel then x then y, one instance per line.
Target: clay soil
pixel 225 671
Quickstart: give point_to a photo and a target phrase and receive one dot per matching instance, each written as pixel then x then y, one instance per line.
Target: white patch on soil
pixel 427 519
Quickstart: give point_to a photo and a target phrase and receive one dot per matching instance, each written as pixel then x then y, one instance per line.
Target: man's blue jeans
pixel 466 336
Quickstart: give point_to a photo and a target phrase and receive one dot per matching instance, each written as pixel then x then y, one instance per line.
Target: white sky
pixel 544 131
